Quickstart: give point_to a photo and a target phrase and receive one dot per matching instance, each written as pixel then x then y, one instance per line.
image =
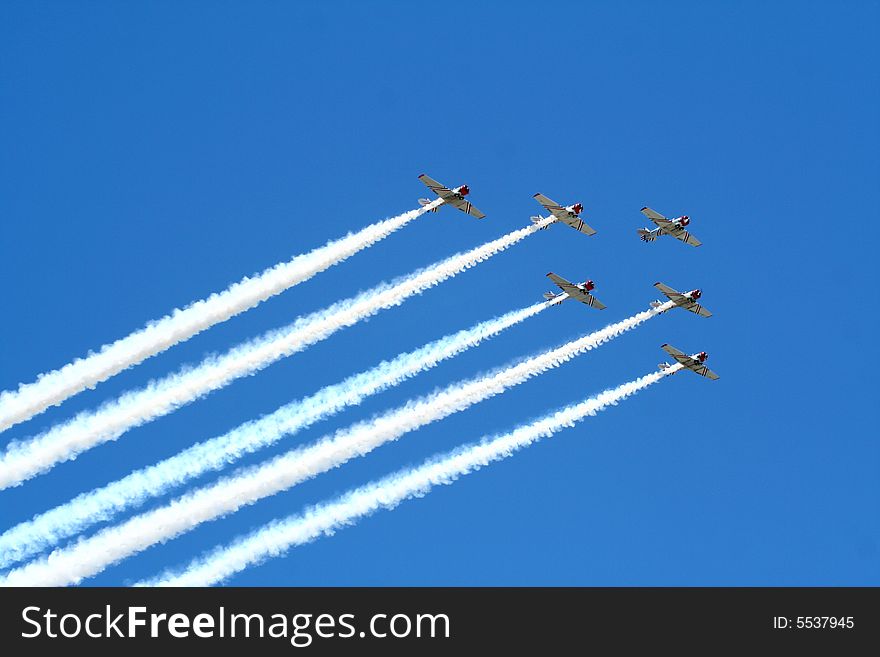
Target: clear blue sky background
pixel 152 153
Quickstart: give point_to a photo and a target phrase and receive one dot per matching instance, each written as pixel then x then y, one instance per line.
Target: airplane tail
pixel 537 220
pixel 656 304
pixel 423 202
pixel 551 295
pixel 663 367
pixel 647 235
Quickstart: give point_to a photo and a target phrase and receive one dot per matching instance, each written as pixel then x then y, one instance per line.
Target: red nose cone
pixel 589 285
pixel 702 356
pixel 464 190
pixel 697 294
pixel 685 220
pixel 578 208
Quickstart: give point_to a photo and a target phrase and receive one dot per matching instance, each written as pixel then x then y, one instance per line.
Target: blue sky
pixel 154 152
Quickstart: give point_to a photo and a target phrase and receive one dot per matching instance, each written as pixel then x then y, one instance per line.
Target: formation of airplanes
pixel 571 215
pixel 567 214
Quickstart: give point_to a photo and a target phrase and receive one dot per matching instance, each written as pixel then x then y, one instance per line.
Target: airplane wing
pixel 464 206
pixel 656 217
pixel 680 234
pixel 673 295
pixel 551 206
pixel 437 188
pixel 702 370
pixel 675 353
pixel 591 301
pixel 578 224
pixel 563 215
pixel 575 292
pixel 694 307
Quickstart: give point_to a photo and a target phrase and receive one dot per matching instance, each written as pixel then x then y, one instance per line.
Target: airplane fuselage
pixel 679 223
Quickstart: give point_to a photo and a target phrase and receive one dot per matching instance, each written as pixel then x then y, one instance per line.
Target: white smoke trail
pixel 52 388
pixel 46 529
pixel 276 538
pixel 90 556
pixel 28 458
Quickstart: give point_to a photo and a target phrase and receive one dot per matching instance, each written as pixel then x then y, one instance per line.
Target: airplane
pixel 454 197
pixel 569 214
pixel 693 363
pixel 579 292
pixel 674 227
pixel 687 300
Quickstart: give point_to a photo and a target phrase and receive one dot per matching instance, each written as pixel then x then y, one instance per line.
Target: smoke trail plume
pixel 28 458
pixel 113 544
pixel 52 388
pixel 276 538
pixel 46 529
